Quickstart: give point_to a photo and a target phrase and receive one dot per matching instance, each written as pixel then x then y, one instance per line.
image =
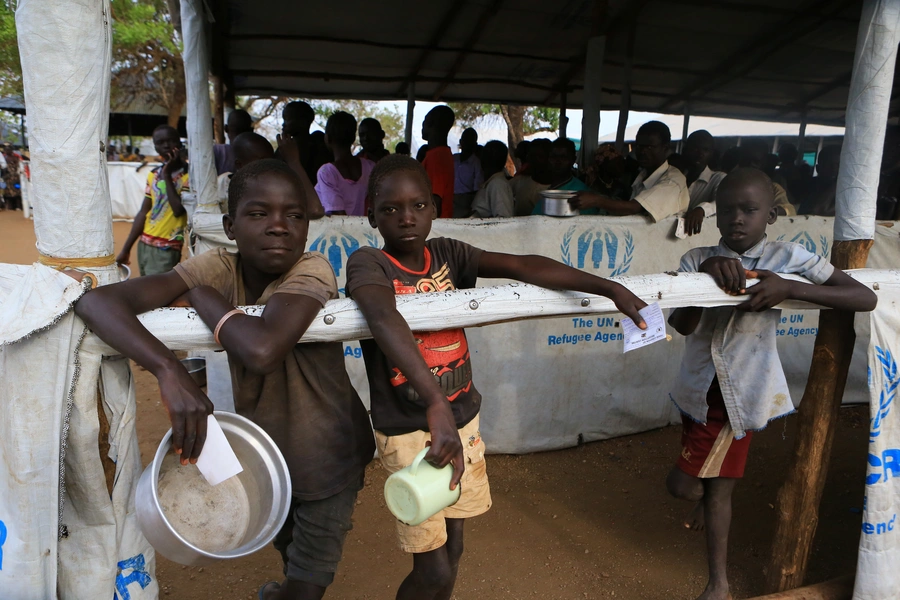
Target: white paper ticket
pixel 635 337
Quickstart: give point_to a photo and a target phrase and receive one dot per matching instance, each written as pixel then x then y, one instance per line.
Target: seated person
pixel 562 175
pixel 246 148
pixel 606 173
pixel 239 121
pixel 495 198
pixel 299 394
pixel 468 174
pixel 754 154
pixel 528 184
pixel 702 181
pixel 823 189
pixel 342 184
pixel 660 189
pixel 371 138
pixel 402 148
pixel 437 157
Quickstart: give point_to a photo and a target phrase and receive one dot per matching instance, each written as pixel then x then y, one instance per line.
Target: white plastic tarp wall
pixel 127 185
pixel 877 574
pixel 552 383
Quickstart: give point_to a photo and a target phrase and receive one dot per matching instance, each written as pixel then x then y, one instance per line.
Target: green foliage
pixel 10 67
pixel 147 67
pixel 536 119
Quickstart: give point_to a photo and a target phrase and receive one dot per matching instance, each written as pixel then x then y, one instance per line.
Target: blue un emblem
pixel 598 248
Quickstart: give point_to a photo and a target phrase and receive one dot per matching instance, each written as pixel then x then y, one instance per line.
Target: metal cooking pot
pixel 265 478
pixel 196 368
pixel 556 203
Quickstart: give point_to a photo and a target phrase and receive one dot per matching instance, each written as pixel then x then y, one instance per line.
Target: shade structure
pixel 754 59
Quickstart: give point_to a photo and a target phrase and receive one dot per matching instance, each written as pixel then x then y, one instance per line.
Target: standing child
pixel 342 182
pixel 421 384
pixel 731 380
pixel 160 223
pixel 438 160
pixel 299 394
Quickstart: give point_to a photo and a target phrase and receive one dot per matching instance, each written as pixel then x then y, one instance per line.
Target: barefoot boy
pixel 421 384
pixel 731 380
pixel 299 394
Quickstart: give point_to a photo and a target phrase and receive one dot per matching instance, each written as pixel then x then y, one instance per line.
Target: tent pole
pixel 563 119
pixel 625 101
pixel 199 117
pixel 775 145
pixel 410 112
pixel 854 229
pixel 219 114
pixel 802 137
pixel 685 126
pixel 820 146
pixel 590 120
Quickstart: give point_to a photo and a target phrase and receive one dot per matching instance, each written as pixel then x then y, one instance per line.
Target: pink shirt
pixel 340 194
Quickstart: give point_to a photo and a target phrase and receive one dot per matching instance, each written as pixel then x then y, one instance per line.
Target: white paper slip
pixel 635 337
pixel 679 229
pixel 217 461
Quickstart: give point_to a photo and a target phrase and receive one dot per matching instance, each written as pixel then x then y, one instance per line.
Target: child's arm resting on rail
pixel 392 333
pixel 547 273
pixel 111 312
pixel 840 291
pixel 259 343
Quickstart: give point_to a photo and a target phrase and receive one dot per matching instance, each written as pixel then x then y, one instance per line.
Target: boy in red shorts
pixel 731 381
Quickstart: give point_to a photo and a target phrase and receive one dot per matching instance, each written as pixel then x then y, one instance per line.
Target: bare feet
pixel 696 521
pixel 715 593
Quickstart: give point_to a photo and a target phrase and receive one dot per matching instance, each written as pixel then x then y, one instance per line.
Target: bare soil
pixel 588 522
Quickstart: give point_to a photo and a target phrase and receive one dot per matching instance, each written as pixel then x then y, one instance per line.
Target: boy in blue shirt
pixel 731 381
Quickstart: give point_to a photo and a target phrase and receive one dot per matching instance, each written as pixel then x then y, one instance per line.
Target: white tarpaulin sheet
pixel 878 571
pixel 554 383
pixel 62 534
pixel 127 184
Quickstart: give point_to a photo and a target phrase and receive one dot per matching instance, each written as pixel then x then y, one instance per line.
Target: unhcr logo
pixel 804 239
pixel 338 247
pixel 598 248
pixel 887 464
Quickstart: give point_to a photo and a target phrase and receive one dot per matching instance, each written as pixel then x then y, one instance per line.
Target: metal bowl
pixel 265 478
pixel 124 272
pixel 196 368
pixel 556 203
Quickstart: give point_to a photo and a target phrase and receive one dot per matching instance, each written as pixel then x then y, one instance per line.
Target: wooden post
pixel 410 112
pixel 797 506
pixel 219 109
pixel 797 511
pixel 625 101
pixel 685 126
pixel 802 138
pixel 835 589
pixel 563 119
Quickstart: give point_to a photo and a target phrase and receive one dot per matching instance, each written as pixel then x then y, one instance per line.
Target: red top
pixel 438 164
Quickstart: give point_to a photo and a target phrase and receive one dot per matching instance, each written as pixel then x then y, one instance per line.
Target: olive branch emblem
pixel 892 380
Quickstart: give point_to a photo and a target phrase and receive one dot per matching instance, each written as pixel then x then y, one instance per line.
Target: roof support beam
pixel 489 13
pixel 456 7
pixel 760 48
pixel 625 99
pixel 601 25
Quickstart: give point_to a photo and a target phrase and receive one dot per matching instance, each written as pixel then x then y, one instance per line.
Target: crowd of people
pixel 421 388
pixel 10 184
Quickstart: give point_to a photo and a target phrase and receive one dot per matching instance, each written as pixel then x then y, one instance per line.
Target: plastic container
pixel 419 491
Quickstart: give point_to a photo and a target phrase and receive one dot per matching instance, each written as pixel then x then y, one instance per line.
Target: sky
pixel 494 128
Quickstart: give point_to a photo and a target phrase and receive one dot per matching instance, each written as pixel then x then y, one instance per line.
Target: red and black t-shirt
pixel 396 407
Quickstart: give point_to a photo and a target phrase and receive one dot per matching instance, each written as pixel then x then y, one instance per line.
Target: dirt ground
pixel 588 522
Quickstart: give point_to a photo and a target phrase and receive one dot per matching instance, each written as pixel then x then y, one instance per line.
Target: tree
pixel 146 64
pixel 521 121
pixel 10 67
